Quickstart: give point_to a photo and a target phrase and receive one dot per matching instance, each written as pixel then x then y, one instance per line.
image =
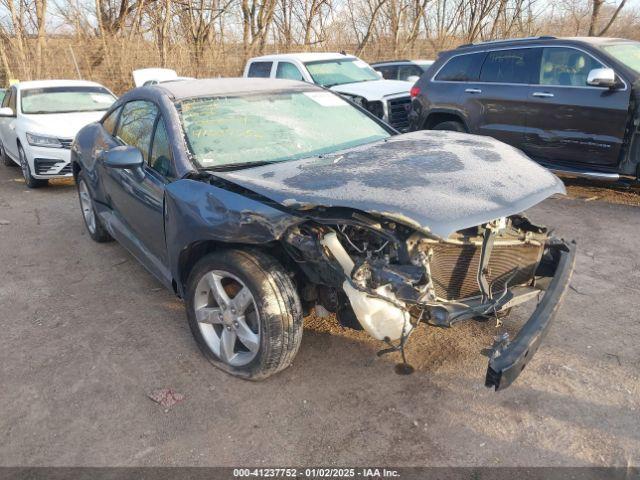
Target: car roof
pixel 401 62
pixel 229 86
pixel 542 40
pixel 303 57
pixel 56 83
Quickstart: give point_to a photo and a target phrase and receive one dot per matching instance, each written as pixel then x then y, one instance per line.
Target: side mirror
pixel 602 77
pixel 379 74
pixel 126 156
pixel 413 78
pixel 7 112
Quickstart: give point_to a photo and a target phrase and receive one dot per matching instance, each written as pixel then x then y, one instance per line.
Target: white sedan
pixel 40 119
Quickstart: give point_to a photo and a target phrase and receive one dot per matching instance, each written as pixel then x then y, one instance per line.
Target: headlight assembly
pixel 43 141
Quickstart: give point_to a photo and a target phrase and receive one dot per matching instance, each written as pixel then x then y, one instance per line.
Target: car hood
pixel 375 89
pixel 435 181
pixel 60 125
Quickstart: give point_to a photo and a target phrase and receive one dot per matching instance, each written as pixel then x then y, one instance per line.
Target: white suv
pixel 39 120
pixel 345 74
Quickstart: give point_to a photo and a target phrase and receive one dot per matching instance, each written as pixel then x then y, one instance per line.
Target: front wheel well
pixel 435 118
pixel 191 254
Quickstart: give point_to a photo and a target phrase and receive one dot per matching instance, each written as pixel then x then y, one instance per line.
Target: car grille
pixel 66 142
pixel 50 167
pixel 454 268
pixel 399 112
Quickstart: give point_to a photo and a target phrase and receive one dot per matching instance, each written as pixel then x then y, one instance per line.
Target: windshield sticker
pixel 326 99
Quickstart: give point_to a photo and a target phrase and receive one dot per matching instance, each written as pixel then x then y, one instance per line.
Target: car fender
pixel 196 211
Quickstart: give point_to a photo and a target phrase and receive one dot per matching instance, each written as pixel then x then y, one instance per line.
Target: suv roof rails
pixel 489 42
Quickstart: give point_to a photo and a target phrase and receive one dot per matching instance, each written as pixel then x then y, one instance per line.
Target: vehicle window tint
pixel 13 100
pixel 5 100
pixel 110 122
pixel 510 66
pixel 406 71
pixel 388 72
pixel 566 67
pixel 463 68
pixel 160 156
pixel 260 69
pixel 136 125
pixel 289 71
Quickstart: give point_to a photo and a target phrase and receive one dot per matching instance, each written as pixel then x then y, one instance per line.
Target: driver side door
pixel 570 122
pixel 137 196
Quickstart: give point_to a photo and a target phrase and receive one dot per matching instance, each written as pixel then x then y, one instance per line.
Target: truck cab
pixel 347 75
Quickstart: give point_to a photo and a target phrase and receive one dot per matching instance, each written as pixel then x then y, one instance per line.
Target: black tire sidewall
pixel 247 266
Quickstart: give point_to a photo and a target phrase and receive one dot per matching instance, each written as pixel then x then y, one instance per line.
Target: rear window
pixel 260 69
pixel 462 68
pixel 511 66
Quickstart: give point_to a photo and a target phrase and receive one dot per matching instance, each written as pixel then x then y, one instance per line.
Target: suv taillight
pixel 415 91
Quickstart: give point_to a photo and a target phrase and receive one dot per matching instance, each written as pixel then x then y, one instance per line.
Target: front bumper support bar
pixel 509 360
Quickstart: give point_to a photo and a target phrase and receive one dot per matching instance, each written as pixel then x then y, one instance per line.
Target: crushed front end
pixel 385 277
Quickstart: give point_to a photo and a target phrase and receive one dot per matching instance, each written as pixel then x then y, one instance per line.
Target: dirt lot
pixel 87 334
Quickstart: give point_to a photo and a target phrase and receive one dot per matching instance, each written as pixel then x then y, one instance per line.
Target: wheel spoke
pixel 242 300
pixel 227 344
pixel 246 336
pixel 209 315
pixel 215 284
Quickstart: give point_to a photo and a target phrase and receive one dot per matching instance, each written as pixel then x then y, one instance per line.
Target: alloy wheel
pixel 227 317
pixel 87 206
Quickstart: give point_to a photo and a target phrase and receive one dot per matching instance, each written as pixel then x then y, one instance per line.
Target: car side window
pixel 511 66
pixel 289 71
pixel 463 68
pixel 389 72
pixel 12 101
pixel 160 155
pixel 7 96
pixel 136 125
pixel 111 121
pixel 406 71
pixel 260 69
pixel 566 67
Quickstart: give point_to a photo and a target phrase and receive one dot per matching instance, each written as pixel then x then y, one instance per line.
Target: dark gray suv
pixel 572 104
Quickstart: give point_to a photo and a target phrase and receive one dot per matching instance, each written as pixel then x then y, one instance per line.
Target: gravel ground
pixel 88 334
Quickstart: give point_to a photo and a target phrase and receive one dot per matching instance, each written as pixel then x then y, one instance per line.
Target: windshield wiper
pixel 239 166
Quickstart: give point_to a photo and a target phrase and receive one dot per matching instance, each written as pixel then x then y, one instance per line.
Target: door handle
pixel 473 90
pixel 542 94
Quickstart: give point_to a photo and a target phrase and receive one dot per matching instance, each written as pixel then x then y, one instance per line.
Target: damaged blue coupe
pixel 259 201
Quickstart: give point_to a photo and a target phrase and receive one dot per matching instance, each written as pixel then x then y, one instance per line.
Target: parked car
pixel 569 103
pixel 38 121
pixel 258 200
pixel 406 70
pixel 345 74
pixel 153 76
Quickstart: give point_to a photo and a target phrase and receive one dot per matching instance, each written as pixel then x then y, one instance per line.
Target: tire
pixel 92 221
pixel 263 337
pixel 29 181
pixel 6 160
pixel 451 126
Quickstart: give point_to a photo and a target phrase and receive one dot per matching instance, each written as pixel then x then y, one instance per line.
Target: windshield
pixel 65 100
pixel 336 72
pixel 272 127
pixel 627 53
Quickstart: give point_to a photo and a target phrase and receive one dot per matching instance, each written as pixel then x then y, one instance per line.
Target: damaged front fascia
pixel 209 208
